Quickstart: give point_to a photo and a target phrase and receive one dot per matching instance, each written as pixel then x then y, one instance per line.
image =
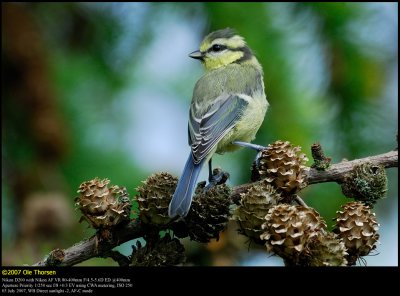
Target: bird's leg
pixel 249 145
pixel 215 177
pixel 210 171
pixel 256 147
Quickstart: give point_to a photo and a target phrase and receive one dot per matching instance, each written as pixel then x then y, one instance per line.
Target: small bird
pixel 227 109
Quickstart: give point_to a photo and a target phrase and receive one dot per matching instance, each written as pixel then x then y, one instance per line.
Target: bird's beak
pixel 198 55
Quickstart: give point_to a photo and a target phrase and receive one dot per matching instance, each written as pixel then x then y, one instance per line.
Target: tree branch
pixel 93 247
pixel 336 172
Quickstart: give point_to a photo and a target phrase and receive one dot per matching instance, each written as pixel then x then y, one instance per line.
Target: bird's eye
pixel 217 47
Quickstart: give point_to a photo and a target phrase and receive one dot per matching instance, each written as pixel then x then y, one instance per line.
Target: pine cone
pixel 367 182
pixel 253 208
pixel 164 252
pixel 154 197
pixel 288 229
pixel 209 213
pixel 283 166
pixel 358 228
pixel 103 207
pixel 325 250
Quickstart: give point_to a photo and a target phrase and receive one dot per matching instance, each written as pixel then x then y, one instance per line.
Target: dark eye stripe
pixel 247 54
pixel 217 48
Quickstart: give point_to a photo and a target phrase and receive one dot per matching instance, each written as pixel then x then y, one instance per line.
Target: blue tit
pixel 228 105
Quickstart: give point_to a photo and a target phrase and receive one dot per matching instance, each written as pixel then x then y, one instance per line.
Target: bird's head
pixel 221 48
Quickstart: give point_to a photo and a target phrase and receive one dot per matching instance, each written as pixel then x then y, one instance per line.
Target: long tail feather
pixel 182 199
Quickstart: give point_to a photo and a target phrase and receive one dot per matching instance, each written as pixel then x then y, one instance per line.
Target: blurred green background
pixel 103 90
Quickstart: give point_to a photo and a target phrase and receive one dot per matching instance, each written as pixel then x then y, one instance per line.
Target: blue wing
pixel 207 129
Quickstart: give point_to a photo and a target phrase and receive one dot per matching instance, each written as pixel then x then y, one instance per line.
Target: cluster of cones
pixel 266 213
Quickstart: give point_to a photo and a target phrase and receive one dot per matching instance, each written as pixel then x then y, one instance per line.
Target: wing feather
pixel 206 130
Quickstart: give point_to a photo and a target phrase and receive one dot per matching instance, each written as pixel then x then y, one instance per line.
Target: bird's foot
pixel 218 177
pixel 258 158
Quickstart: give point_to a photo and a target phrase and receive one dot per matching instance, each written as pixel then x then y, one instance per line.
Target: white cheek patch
pixel 216 54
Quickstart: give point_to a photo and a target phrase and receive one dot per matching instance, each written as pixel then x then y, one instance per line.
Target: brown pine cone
pixel 101 206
